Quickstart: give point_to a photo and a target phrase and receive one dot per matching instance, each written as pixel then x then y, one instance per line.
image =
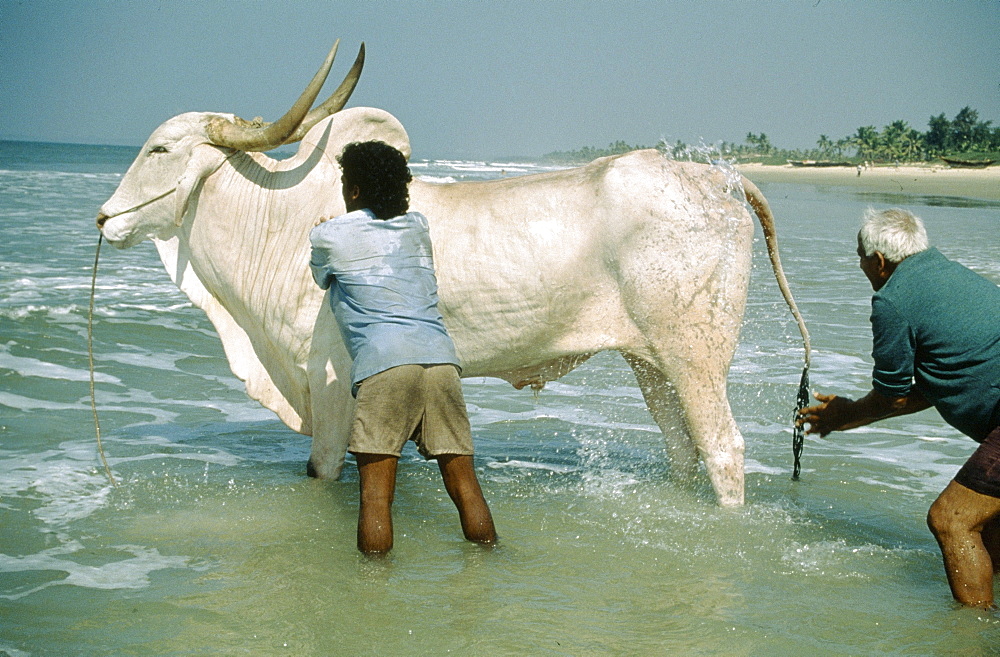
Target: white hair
pixel 895 233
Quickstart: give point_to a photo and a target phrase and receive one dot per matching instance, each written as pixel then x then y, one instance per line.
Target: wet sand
pixel 905 179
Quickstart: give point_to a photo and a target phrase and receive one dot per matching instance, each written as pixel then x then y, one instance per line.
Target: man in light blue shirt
pixel 377 263
pixel 384 292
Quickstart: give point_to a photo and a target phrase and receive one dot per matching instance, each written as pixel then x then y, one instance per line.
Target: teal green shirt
pixel 936 326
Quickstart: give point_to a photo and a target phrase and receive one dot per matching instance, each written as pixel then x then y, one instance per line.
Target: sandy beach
pixel 906 179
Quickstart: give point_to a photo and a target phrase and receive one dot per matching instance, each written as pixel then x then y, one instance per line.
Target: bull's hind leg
pixel 661 400
pixel 694 398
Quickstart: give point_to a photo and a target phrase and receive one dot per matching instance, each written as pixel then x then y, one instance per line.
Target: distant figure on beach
pixel 376 260
pixel 859 170
pixel 936 329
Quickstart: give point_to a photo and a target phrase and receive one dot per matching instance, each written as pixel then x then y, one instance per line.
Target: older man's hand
pixel 832 414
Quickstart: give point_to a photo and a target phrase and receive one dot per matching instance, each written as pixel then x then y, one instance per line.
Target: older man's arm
pixel 835 413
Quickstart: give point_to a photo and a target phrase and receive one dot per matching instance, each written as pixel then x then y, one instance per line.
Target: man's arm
pixel 841 413
pixel 319 258
pixel 321 274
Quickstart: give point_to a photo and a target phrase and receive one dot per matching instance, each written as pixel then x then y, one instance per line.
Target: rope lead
pixel 90 355
pixel 798 432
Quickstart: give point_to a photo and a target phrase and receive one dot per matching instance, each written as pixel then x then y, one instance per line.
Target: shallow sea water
pixel 216 543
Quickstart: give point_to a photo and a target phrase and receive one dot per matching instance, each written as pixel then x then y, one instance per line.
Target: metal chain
pixel 798 431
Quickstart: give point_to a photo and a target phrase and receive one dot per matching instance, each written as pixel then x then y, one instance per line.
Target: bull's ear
pixel 205 160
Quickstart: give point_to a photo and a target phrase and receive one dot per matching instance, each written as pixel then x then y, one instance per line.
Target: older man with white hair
pixel 936 329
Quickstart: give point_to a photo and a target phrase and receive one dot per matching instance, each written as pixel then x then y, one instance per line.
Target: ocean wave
pixel 486 166
pixel 580 419
pixel 28 404
pixel 839 559
pixel 214 457
pixel 11 177
pixel 130 572
pixel 32 367
pixel 752 466
pixel 532 465
pixel 21 312
pixel 134 402
pixel 472 166
pixel 62 483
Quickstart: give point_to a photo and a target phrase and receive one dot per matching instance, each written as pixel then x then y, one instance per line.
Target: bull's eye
pixel 157 149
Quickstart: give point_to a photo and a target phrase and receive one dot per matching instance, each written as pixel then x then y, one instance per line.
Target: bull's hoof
pixel 731 502
pixel 324 470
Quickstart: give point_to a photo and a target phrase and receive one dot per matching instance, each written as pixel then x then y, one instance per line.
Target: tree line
pixel 964 136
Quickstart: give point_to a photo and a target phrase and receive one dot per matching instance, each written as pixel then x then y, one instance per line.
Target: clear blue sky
pixel 488 79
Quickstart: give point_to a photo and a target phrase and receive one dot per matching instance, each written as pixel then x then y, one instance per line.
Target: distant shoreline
pixel 902 179
pixel 916 179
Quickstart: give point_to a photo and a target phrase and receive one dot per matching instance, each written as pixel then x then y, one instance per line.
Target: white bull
pixel 634 253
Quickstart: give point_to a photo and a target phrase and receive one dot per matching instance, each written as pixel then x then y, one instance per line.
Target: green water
pixel 216 543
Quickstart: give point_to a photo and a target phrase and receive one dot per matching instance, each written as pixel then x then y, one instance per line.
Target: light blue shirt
pixel 383 290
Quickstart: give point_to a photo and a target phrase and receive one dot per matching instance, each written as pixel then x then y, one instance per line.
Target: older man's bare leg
pixel 991 539
pixel 957 519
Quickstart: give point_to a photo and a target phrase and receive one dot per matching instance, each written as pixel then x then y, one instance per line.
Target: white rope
pixel 90 354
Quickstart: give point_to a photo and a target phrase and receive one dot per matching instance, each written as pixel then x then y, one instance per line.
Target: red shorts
pixel 981 473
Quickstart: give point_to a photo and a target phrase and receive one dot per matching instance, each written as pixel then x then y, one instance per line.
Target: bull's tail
pixel 763 212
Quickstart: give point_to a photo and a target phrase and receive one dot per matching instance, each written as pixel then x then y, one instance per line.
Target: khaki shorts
pixel 423 403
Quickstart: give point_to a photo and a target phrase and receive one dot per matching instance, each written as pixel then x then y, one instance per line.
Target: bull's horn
pixel 231 134
pixel 334 103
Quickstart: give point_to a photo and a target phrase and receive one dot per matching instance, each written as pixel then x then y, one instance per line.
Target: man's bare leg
pixel 991 539
pixel 957 519
pixel 463 487
pixel 377 473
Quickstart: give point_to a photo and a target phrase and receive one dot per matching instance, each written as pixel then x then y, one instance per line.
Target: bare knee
pixel 940 520
pixel 945 519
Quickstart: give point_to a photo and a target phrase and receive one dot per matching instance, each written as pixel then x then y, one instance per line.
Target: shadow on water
pixel 890 198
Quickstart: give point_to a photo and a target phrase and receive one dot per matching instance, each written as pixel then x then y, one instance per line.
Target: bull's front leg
pixel 331 402
pixel 332 411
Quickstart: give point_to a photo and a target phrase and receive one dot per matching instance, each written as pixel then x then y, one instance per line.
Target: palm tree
pixel 762 143
pixel 899 141
pixel 841 145
pixel 938 135
pixel 963 129
pixel 825 145
pixel 866 140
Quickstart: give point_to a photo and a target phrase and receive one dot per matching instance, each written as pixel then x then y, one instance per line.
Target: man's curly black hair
pixel 380 172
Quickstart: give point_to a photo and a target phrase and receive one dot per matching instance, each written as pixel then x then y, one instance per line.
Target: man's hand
pixel 832 414
pixel 322 220
pixel 840 413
